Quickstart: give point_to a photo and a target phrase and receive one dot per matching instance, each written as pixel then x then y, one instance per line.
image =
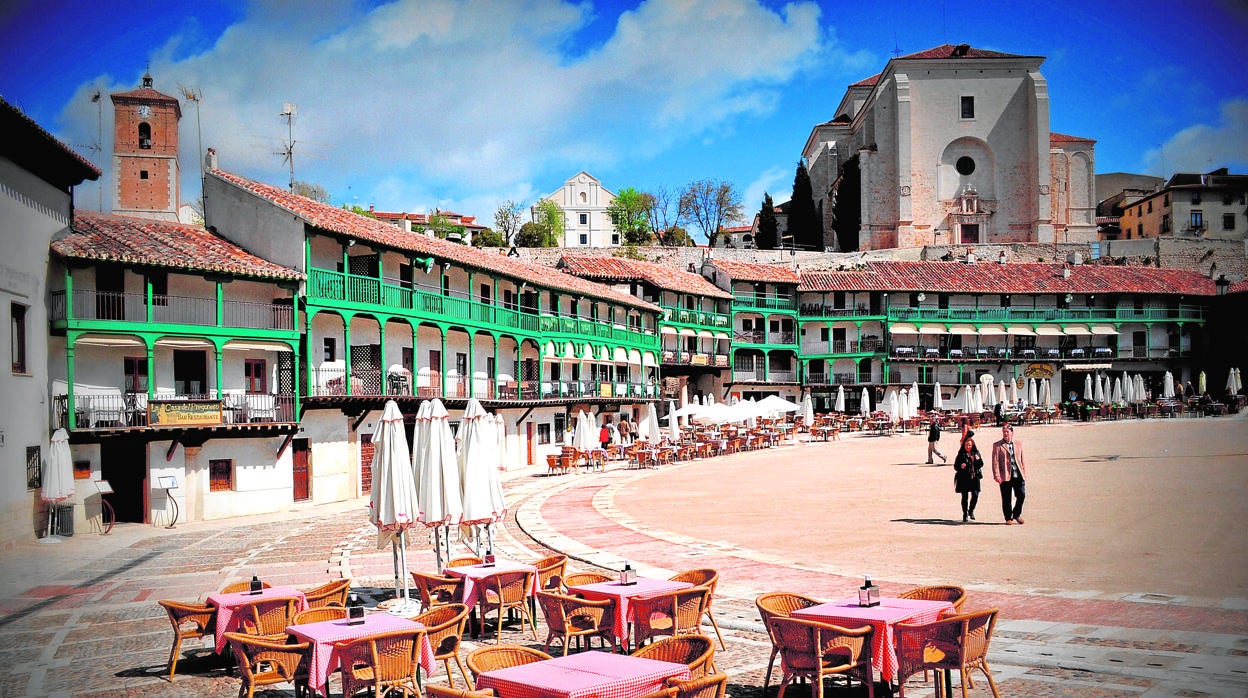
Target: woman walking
pixel 968 470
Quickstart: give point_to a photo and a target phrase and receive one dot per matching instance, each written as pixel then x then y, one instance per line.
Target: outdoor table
pixel 227 604
pixel 1029 353
pixel 1077 353
pixel 323 658
pixel 905 351
pixel 1102 351
pixel 622 595
pixel 955 353
pixel 583 675
pixel 846 613
pixel 473 574
pixel 931 352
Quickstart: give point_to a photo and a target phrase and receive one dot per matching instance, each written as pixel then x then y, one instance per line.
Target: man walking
pixel 1010 471
pixel 933 437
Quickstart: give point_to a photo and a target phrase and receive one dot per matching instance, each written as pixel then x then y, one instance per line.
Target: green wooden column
pixel 442 361
pixel 346 354
pixel 220 292
pixel 147 298
pixel 308 361
pixel 472 376
pixel 151 368
pixel 382 375
pixel 71 413
pixel 494 378
pixel 216 347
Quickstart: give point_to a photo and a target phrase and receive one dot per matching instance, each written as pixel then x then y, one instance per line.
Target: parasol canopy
pixel 392 505
pixel 864 406
pixel 839 406
pixel 938 400
pixel 477 455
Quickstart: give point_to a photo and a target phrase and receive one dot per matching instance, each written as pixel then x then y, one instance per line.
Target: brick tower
pixel 145 153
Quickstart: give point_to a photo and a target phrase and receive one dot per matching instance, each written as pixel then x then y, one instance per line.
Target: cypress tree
pixel 765 239
pixel 804 224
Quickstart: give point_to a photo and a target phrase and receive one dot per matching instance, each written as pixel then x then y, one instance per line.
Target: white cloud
pixel 1205 147
pixel 474 97
pixel 776 180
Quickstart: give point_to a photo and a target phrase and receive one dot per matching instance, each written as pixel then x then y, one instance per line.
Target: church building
pixel 146 177
pixel 950 146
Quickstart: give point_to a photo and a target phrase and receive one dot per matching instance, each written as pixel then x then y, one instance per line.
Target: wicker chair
pixel 553 566
pixel 263 662
pixel 580 578
pixel 704 577
pixel 953 594
pixel 329 594
pixel 381 663
pixel 710 686
pixel 444 692
pixel 956 642
pixel 189 621
pixel 695 651
pixel 242 586
pixel 778 604
pixel 506 590
pixel 445 627
pixel 266 618
pixel 570 617
pixel 669 613
pixel 435 590
pixel 318 615
pixel 464 561
pixel 485 659
pixel 811 650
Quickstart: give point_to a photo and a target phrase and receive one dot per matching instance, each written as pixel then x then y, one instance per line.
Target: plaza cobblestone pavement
pixel 80 618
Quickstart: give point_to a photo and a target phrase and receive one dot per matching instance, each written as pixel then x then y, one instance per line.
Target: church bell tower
pixel 145 153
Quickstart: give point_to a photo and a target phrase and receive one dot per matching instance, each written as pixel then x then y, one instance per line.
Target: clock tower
pixel 145 153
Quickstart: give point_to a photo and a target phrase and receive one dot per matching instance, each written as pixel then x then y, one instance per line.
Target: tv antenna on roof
pixel 289 111
pixel 896 48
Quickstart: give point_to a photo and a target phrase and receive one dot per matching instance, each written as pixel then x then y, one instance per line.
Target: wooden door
pixel 366 463
pixel 528 441
pixel 301 469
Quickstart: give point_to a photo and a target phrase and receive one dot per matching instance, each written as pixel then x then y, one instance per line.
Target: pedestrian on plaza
pixel 968 470
pixel 999 413
pixel 604 435
pixel 1009 469
pixel 625 430
pixel 933 437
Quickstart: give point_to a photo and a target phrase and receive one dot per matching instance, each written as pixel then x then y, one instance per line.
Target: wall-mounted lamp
pixel 1222 284
pixel 446 265
pixel 350 243
pixel 922 297
pixel 428 263
pixel 1069 298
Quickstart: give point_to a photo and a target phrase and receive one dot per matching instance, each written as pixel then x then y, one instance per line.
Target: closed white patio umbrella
pixel 393 506
pixel 1002 393
pixel 1167 386
pixel 477 456
pixel 986 388
pixel 1032 397
pixel 1014 392
pixel 651 427
pixel 1141 394
pixel 1116 395
pixel 58 481
pixel 938 401
pixel 1088 393
pixel 438 489
pixel 864 407
pixel 673 425
pixel 1046 398
pixel 808 410
pixel 839 406
pixel 1128 388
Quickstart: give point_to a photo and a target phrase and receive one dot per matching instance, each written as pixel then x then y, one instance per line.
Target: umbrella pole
pixel 394 557
pixel 407 590
pixel 437 546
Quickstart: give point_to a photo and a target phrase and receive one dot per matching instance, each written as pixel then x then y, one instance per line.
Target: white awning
pixel 634 357
pixel 704 333
pixel 991 330
pixel 686 332
pixel 721 335
pixel 903 328
pixel 1077 330
pixel 647 360
pixel 933 329
pixel 1020 330
pixel 1049 331
pixel 962 329
pixel 620 355
pixel 587 354
pixel 569 352
pixel 604 354
pixel 549 350
pixel 1104 329
pixel 667 330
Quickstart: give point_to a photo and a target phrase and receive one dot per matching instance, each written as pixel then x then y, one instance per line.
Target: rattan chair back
pixel 673 613
pixel 550 568
pixel 265 662
pixel 955 642
pixel 444 626
pixel 578 578
pixel 811 650
pixel 266 617
pixel 570 617
pixel 317 615
pixel 189 621
pixel 381 662
pixel 434 691
pixel 242 586
pixel 329 594
pixel 953 594
pixel 464 561
pixel 485 659
pixel 435 590
pixel 710 686
pixel 506 590
pixel 695 651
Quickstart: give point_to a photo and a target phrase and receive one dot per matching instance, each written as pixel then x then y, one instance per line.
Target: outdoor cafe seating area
pixel 496 627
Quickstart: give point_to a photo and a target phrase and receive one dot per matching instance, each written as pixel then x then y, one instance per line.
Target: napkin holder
pixel 487 560
pixel 355 615
pixel 628 576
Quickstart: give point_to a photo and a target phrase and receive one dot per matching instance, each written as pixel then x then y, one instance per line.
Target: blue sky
pixel 461 105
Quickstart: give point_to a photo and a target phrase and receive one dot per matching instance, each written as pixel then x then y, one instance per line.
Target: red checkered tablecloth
pixel 583 675
pixel 227 604
pixel 323 635
pixel 622 595
pixel 846 613
pixel 473 574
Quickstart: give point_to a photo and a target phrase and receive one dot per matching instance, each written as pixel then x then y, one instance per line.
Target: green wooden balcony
pixel 1182 313
pixel 327 287
pixel 705 319
pixel 101 310
pixel 764 301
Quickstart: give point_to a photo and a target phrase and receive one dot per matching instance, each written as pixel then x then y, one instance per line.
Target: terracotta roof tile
pixel 609 269
pixel 338 220
pixel 947 51
pixel 1021 278
pixel 867 82
pixel 103 237
pixel 1055 137
pixel 746 271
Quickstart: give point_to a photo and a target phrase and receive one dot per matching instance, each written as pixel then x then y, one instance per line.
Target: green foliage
pixel 677 236
pixel 443 228
pixel 488 238
pixel 507 219
pixel 629 252
pixel 358 210
pixel 630 214
pixel 804 224
pixel 550 218
pixel 766 238
pixel 531 235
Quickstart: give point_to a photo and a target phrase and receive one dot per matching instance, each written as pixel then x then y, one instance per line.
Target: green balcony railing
pixel 703 318
pixel 765 301
pixel 1086 314
pixel 326 285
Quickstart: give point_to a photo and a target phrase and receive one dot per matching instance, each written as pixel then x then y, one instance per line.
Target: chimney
pixel 210 159
pixel 970 257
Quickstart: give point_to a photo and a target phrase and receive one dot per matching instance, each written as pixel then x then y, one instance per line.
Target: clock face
pixel 145 111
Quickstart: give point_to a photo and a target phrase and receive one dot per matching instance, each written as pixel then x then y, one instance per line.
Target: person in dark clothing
pixel 933 437
pixel 968 470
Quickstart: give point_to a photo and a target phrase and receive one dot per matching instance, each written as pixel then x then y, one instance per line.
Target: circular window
pixel 965 165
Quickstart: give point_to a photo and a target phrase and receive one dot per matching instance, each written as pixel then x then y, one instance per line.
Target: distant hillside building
pixel 422 223
pixel 1210 206
pixel 950 146
pixel 1119 191
pixel 584 203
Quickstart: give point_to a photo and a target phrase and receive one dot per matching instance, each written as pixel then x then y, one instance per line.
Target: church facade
pixel 950 146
